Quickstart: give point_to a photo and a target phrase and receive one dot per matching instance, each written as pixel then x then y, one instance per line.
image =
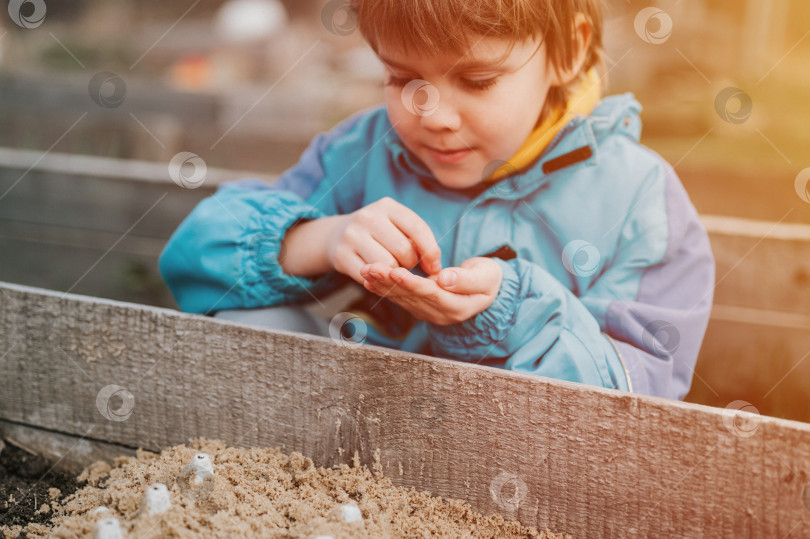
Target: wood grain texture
pixel 66 451
pixel 765 365
pixel 762 272
pixel 589 461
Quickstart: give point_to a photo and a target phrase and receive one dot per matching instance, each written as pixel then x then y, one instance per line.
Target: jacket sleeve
pixel 644 337
pixel 659 330
pixel 538 326
pixel 224 255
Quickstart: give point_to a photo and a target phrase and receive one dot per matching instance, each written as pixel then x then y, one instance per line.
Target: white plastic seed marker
pixel 202 467
pixel 156 500
pixel 108 528
pixel 351 513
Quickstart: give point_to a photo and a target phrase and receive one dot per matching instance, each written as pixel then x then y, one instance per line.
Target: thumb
pixel 475 276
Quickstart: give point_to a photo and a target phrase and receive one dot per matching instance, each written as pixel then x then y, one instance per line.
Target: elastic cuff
pixel 492 325
pixel 264 246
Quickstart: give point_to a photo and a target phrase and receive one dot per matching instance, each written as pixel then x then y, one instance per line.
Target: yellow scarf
pixel 582 101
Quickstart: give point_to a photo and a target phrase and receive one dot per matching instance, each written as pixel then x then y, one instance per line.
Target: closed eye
pixel 471 84
pixel 479 84
pixel 396 81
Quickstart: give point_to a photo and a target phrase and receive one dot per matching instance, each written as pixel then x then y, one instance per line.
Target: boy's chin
pixel 457 179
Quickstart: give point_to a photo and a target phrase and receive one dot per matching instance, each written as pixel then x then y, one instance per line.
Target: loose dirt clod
pixel 28 484
pixel 260 493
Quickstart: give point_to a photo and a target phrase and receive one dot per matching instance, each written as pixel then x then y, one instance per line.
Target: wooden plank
pixel 764 361
pixel 752 228
pixel 112 272
pixel 94 203
pixel 761 264
pixel 758 356
pixel 761 317
pixel 72 93
pixel 589 461
pixel 66 451
pixel 88 166
pixel 767 274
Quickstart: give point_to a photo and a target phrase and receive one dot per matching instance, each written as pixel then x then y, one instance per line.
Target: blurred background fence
pixel 100 95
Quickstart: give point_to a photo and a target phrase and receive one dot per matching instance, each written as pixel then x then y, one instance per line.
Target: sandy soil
pixel 257 493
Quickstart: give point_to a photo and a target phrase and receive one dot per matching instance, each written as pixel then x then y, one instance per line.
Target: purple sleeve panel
pixel 659 334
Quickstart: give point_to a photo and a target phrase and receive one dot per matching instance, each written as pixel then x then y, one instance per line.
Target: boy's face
pixel 482 113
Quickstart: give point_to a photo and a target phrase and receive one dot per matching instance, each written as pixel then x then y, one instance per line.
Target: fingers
pixel 475 276
pixel 375 272
pixel 351 266
pixel 388 232
pixel 392 239
pixel 373 251
pixel 385 280
pixel 410 282
pixel 418 231
pixel 460 281
pixel 376 279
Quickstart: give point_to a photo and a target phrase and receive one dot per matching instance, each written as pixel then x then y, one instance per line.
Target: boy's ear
pixel 582 37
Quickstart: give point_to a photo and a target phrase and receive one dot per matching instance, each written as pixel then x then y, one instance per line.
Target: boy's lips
pixel 449 155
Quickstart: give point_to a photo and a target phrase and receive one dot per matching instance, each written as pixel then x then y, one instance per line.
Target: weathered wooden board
pixel 554 454
pixel 66 451
pixel 767 365
pixel 761 264
pixel 92 225
pixel 72 93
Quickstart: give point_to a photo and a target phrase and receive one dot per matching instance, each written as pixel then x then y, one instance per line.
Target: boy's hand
pixel 449 297
pixel 384 232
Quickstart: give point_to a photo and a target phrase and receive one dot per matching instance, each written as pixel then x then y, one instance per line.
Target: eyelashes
pixel 478 85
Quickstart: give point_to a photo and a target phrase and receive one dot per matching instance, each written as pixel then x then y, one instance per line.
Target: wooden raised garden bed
pixel 593 462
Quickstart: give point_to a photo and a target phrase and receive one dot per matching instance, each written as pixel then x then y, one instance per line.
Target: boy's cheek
pixel 396 110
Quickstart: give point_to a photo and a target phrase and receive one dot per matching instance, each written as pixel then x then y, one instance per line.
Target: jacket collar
pixel 580 137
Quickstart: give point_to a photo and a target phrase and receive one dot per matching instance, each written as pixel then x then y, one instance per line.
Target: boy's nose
pixel 445 115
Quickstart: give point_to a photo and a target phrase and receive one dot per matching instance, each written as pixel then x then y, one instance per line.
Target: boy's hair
pixel 452 26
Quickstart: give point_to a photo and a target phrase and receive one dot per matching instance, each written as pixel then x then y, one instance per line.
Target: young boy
pixel 495 210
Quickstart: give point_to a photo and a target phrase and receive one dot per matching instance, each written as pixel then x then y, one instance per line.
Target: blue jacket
pixel 608 280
